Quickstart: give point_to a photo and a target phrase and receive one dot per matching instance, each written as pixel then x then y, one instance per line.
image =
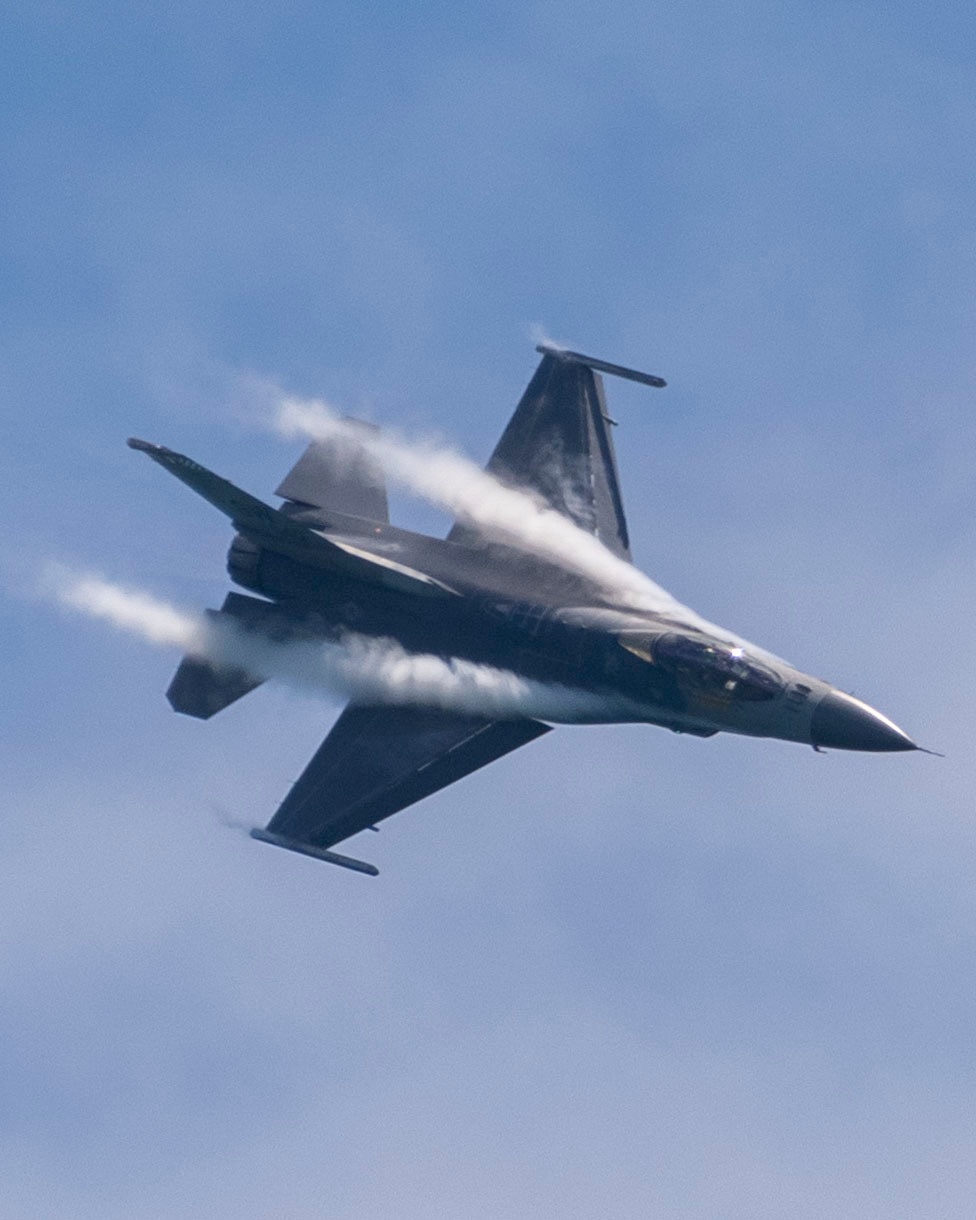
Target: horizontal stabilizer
pixel 601 366
pixel 276 530
pixel 202 689
pixel 251 515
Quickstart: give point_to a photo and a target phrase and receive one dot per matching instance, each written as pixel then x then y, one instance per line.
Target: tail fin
pixel 339 476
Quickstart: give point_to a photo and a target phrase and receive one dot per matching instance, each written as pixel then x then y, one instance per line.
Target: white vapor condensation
pixel 131 610
pixel 357 667
pixel 539 336
pixel 454 482
pixel 451 481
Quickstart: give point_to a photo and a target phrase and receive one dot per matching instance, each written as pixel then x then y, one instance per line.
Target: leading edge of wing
pixel 377 761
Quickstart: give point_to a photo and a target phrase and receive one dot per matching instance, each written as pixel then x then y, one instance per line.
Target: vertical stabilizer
pixel 338 476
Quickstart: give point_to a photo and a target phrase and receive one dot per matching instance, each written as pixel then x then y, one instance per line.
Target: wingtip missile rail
pixel 600 366
pixel 317 853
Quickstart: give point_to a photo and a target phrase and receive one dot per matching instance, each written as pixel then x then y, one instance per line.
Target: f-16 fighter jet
pixel 328 563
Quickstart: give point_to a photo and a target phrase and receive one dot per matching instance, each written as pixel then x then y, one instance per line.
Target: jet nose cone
pixel 842 722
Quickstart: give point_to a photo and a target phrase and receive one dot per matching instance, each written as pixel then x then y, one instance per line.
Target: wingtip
pixel 317 853
pixel 143 446
pixel 600 366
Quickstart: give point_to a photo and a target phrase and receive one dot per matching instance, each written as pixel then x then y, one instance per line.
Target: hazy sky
pixel 620 973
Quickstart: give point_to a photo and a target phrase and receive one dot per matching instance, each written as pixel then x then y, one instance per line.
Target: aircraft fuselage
pixel 641 666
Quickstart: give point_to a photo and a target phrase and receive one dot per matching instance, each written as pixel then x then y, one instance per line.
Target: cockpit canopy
pixel 706 665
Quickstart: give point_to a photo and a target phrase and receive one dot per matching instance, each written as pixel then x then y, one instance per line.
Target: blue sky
pixel 619 973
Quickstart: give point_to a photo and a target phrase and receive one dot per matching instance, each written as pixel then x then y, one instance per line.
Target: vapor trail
pixel 132 610
pixel 539 335
pixel 454 482
pixel 451 481
pixel 357 667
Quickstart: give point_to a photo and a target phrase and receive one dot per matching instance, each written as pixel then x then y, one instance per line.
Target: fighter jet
pixel 327 563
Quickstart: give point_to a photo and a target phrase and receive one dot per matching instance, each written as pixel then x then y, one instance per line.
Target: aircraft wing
pixel 558 445
pixel 378 760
